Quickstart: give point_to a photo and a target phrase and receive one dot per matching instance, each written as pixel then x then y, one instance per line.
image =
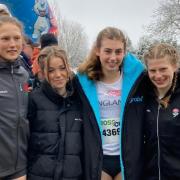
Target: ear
pixel 176 67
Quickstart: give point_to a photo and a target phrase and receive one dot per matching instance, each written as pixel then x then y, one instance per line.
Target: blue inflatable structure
pixel 36 16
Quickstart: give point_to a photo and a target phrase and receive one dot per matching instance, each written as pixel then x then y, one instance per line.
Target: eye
pixel 51 70
pixel 62 68
pixel 163 69
pixel 17 38
pixel 107 51
pixel 5 38
pixel 151 70
pixel 119 51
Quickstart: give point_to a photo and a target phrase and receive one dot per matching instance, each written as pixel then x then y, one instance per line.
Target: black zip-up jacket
pixel 56 126
pixel 14 127
pixel 162 134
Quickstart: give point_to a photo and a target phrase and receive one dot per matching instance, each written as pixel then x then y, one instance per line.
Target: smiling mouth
pixel 59 81
pixel 12 51
pixel 159 82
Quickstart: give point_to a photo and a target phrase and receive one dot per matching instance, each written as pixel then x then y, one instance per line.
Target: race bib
pixel 110 130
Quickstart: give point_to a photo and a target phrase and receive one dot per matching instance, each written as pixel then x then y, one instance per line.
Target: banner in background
pixel 36 16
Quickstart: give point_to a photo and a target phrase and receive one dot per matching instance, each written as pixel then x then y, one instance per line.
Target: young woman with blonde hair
pixel 162 113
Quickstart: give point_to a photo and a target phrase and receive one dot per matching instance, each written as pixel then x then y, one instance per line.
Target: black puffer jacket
pixel 55 149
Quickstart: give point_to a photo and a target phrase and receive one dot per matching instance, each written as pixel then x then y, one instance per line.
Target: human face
pixel 111 54
pixel 28 50
pixel 10 41
pixel 161 73
pixel 57 74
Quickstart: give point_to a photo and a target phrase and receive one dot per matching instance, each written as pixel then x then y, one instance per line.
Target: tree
pixel 72 37
pixel 142 46
pixel 166 21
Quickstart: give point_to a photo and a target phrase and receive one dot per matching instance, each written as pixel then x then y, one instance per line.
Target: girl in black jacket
pixel 55 148
pixel 162 115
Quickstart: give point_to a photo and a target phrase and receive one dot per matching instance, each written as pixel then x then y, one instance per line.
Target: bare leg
pixel 105 176
pixel 118 177
pixel 21 178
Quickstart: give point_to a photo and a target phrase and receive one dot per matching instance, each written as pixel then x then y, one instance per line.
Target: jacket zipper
pixel 17 132
pixel 157 121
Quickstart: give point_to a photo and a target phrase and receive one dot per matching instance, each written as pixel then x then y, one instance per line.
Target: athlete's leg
pixel 105 176
pixel 21 178
pixel 118 177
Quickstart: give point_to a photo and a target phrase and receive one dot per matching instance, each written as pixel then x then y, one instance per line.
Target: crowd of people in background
pixel 116 118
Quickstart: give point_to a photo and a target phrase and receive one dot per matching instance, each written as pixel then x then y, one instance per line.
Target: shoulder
pixel 35 93
pixel 84 80
pixel 131 63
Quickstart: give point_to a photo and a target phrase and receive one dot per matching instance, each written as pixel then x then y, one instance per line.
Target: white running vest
pixel 109 98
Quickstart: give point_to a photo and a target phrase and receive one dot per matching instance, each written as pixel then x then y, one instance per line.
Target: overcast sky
pixel 94 15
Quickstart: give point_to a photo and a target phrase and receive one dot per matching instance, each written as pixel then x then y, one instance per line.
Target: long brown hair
pixel 92 66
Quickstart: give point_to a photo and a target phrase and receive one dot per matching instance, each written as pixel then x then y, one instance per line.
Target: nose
pixel 58 73
pixel 157 74
pixel 113 56
pixel 12 42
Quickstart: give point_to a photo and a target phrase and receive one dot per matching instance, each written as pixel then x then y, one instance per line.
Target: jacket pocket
pixel 43 165
pixel 72 166
pixel 8 148
pixel 73 143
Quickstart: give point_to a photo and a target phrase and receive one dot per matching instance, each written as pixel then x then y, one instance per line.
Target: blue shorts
pixel 111 165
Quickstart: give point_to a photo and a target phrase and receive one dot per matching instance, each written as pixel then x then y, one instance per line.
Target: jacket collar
pixel 54 96
pixel 8 64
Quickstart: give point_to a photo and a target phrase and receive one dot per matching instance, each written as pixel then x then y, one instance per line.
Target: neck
pixel 62 92
pixel 111 77
pixel 162 92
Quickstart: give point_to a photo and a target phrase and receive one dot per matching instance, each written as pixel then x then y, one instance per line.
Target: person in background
pixel 109 77
pixel 162 113
pixel 26 54
pixel 4 11
pixel 28 47
pixel 56 122
pixel 14 127
pixel 47 39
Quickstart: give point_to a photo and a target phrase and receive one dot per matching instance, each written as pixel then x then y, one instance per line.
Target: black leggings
pixel 111 165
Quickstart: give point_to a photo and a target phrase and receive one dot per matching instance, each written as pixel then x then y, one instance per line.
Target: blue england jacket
pixel 131 139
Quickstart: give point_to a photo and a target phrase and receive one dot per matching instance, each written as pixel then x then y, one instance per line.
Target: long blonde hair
pixel 92 66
